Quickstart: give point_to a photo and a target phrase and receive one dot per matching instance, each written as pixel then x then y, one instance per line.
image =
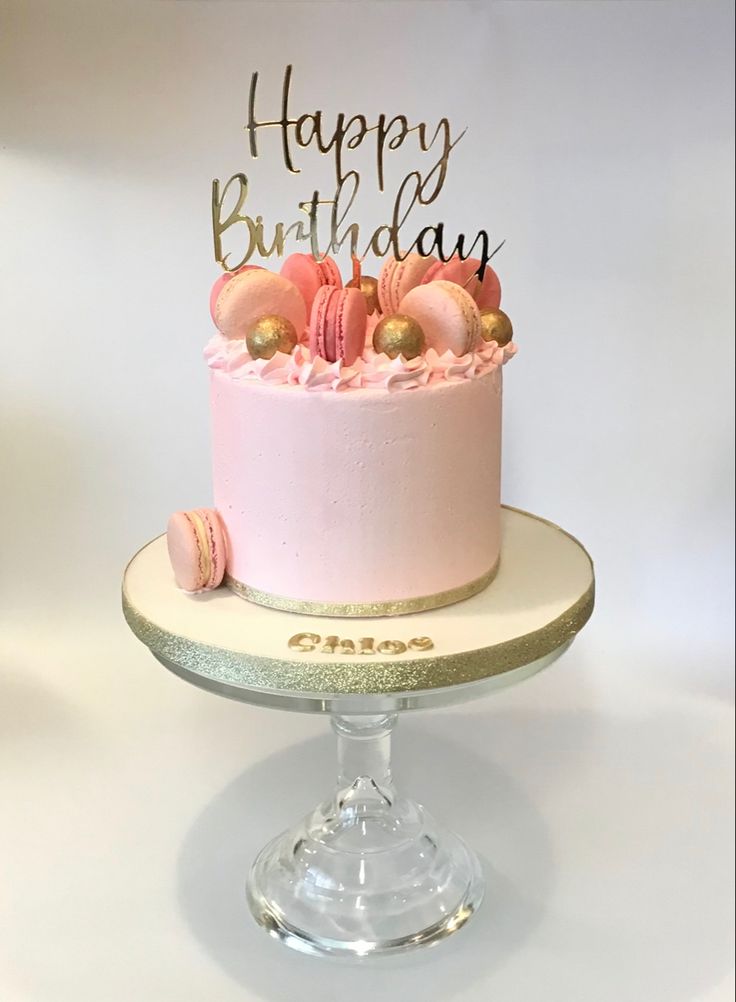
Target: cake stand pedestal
pixel 369 871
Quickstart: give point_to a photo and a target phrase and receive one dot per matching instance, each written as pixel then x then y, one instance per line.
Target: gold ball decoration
pixel 369 287
pixel 397 335
pixel 270 334
pixel 496 326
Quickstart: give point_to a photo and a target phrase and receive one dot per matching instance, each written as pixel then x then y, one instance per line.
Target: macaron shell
pixel 397 278
pixel 309 275
pixel 433 272
pixel 447 314
pixel 488 297
pixel 329 327
pixel 487 293
pixel 222 281
pixel 253 294
pixel 330 272
pixel 318 324
pixel 351 316
pixel 337 327
pixel 455 270
pixel 197 549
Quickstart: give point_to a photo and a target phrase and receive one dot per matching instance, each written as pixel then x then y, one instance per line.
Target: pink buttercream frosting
pixel 492 354
pixel 372 371
pixel 394 374
pixel 400 490
pixel 319 374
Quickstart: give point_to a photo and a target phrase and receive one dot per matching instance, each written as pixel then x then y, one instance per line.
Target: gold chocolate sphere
pixel 399 335
pixel 369 287
pixel 270 334
pixel 496 326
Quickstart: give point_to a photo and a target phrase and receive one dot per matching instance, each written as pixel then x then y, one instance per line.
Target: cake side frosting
pixel 362 498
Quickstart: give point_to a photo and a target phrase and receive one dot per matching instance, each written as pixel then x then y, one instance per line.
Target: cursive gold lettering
pixel 339 139
pixel 353 230
pixel 219 227
pixel 421 644
pixel 391 647
pixel 304 641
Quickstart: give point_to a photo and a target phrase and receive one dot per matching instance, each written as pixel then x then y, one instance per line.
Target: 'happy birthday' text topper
pixel 348 134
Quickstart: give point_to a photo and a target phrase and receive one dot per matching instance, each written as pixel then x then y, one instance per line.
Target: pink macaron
pixel 487 293
pixel 396 278
pixel 222 281
pixel 309 275
pixel 447 314
pixel 197 549
pixel 337 325
pixel 256 293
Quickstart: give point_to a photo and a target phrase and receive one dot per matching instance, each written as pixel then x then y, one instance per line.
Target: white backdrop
pixel 600 145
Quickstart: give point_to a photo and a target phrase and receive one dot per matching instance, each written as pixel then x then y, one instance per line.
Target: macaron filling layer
pixel 204 550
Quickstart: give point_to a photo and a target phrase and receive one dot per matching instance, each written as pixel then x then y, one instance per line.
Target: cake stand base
pixel 368 871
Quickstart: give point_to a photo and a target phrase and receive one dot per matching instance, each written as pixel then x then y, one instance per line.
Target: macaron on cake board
pixel 384 427
pixel 197 549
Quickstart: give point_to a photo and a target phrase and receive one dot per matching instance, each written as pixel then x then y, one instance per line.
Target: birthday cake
pixel 356 425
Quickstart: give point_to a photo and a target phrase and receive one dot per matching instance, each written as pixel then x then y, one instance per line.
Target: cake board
pixel 369 871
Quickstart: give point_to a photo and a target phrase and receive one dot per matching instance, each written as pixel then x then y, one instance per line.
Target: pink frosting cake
pixel 364 489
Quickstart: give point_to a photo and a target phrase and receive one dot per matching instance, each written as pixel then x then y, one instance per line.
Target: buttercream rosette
pixel 374 370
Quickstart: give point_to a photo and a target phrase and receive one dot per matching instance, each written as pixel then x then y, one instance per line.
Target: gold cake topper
pixel 309 129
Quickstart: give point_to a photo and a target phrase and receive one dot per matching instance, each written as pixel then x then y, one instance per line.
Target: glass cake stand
pixel 369 870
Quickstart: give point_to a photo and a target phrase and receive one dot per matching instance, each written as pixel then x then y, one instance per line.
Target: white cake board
pixel 541 597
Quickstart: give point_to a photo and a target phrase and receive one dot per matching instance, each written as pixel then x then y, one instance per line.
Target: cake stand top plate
pixel 542 596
